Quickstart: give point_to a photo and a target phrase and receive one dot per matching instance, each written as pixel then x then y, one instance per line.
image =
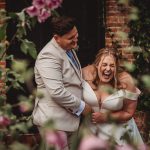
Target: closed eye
pixel 104 64
pixel 112 65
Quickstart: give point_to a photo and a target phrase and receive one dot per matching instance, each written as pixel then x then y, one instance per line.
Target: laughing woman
pixel 113 96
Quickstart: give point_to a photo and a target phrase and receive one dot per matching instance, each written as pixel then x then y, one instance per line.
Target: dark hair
pixel 62 25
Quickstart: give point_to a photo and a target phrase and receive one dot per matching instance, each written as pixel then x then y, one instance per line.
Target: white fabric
pixel 132 96
pixel 113 102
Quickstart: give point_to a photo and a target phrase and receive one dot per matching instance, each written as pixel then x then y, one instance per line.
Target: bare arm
pixel 120 116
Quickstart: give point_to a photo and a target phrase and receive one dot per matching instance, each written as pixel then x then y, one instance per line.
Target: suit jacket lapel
pixel 63 52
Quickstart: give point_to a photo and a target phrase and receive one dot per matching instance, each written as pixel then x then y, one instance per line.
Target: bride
pixel 113 97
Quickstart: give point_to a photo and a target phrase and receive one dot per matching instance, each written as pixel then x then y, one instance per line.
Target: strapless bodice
pixel 113 102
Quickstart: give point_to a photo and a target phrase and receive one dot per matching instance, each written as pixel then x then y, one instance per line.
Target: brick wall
pixel 116 21
pixel 2 3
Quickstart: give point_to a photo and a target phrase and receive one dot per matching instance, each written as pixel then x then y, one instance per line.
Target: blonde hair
pixel 107 52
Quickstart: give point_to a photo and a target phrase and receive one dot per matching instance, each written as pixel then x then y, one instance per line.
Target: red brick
pixel 2 4
pixel 114 24
pixel 112 13
pixel 115 29
pixel 111 3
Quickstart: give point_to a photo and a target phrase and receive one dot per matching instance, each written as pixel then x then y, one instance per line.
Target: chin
pixel 75 46
pixel 106 80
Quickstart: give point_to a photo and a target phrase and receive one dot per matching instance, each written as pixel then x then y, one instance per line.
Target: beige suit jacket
pixel 60 82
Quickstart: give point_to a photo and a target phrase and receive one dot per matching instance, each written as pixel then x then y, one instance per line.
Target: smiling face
pixel 106 68
pixel 69 40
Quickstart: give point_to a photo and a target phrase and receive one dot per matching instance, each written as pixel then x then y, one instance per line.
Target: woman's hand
pixel 98 117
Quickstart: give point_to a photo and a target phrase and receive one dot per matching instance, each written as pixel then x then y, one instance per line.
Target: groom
pixel 58 76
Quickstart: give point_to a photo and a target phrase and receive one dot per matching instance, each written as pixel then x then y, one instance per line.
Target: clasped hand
pixel 98 117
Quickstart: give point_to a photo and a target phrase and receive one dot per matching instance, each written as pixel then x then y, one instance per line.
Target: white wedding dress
pixel 113 102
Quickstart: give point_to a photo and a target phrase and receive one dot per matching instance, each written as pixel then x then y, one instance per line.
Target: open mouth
pixel 107 75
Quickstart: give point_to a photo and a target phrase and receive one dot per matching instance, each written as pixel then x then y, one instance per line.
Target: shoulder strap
pixel 131 95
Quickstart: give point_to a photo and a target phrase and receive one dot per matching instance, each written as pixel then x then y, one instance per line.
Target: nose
pixel 75 39
pixel 107 68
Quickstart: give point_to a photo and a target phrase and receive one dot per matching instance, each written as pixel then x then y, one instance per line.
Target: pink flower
pixel 142 147
pixel 32 11
pixel 55 3
pixel 4 121
pixel 124 147
pixel 44 14
pixel 39 3
pixel 48 3
pixel 93 142
pixel 42 8
pixel 56 138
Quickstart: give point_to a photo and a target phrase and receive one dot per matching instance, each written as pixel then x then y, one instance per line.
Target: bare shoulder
pixel 89 72
pixel 127 81
pixel 90 68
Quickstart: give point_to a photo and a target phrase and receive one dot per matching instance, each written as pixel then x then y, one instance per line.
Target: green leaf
pixel 24 47
pixel 133 17
pixel 19 66
pixel 129 66
pixel 31 22
pixel 146 80
pixel 10 57
pixel 29 47
pixel 28 74
pixel 2 48
pixel 33 51
pixel 21 16
pixel 21 126
pixel 12 15
pixel 8 109
pixel 122 35
pixel 134 49
pixel 16 85
pixel 3 32
pixel 20 32
pixel 125 2
pixel 2 99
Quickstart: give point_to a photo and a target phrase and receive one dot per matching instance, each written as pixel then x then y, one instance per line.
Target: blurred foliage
pixel 18 74
pixel 140 38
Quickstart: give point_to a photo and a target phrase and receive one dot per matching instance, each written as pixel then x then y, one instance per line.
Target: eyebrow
pixel 73 36
pixel 103 63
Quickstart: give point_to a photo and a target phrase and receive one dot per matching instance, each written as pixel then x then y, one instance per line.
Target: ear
pixel 56 37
